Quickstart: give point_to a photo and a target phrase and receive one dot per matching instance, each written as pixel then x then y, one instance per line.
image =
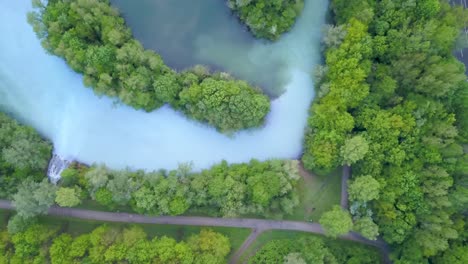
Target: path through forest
pixel 254 224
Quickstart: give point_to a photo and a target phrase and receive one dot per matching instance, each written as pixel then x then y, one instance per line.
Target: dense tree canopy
pixel 310 249
pixel 23 154
pixel 68 197
pixel 34 198
pixel 93 39
pixel 267 18
pixel 336 222
pixel 262 188
pixel 391 80
pixel 44 244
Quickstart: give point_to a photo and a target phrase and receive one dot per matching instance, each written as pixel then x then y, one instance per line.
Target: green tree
pixel 121 186
pixel 104 197
pixel 367 228
pixel 34 198
pixel 354 149
pixel 294 258
pixel 60 250
pixel 97 177
pixel 364 188
pixel 26 152
pixel 336 222
pixel 237 107
pixel 19 224
pixel 68 197
pixel 267 19
pixel 455 254
pixel 208 242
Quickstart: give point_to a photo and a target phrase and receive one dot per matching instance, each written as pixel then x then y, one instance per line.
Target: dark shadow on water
pixel 187 32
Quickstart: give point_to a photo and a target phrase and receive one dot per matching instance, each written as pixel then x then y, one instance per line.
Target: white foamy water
pixel 42 91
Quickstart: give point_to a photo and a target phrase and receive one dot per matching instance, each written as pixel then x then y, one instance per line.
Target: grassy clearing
pixel 76 227
pixel 318 194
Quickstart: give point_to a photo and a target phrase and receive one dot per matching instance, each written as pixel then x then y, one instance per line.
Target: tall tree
pixel 34 198
pixel 336 222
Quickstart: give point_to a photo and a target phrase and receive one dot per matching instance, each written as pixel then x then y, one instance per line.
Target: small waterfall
pixel 56 165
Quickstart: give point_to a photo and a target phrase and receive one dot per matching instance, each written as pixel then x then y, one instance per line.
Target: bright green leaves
pixel 364 188
pixel 330 122
pixel 336 222
pixel 42 244
pixel 227 105
pixel 267 18
pixel 262 188
pixel 68 197
pixel 354 149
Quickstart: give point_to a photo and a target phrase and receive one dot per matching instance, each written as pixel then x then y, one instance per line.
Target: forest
pixel 392 103
pixel 312 249
pixel 267 19
pixel 93 39
pixel 24 155
pixel 39 243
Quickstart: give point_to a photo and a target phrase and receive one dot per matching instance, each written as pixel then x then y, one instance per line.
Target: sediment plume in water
pixel 42 91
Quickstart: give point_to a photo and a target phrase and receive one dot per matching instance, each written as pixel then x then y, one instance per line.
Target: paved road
pixel 255 224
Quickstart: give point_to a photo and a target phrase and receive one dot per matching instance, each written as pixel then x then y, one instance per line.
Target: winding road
pixel 258 225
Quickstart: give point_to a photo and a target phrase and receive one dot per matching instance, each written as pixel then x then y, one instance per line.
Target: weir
pixel 57 164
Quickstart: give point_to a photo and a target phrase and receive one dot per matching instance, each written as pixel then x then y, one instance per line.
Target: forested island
pixel 93 39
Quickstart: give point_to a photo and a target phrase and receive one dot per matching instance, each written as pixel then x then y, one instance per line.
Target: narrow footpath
pixel 344 186
pixel 250 239
pixel 254 224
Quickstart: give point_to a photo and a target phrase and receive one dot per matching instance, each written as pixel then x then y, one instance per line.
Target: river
pixel 42 91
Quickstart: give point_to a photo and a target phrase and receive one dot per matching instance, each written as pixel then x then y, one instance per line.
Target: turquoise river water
pixel 42 91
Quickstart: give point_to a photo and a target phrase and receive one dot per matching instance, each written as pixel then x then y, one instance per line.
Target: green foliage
pixel 93 39
pixel 411 112
pixel 354 149
pixel 229 105
pixel 41 244
pixel 104 196
pixel 363 189
pixel 336 222
pixel 68 197
pixel 267 18
pixel 310 249
pixel 212 247
pixel 23 154
pixel 34 198
pixel 27 245
pixel 347 69
pixel 18 224
pixel 367 228
pixel 265 188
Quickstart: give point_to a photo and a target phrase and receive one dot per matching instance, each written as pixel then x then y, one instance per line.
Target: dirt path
pixel 344 186
pixel 250 239
pixel 255 224
pixel 304 173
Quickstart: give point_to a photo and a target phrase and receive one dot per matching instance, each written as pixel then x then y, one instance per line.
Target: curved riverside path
pixel 258 225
